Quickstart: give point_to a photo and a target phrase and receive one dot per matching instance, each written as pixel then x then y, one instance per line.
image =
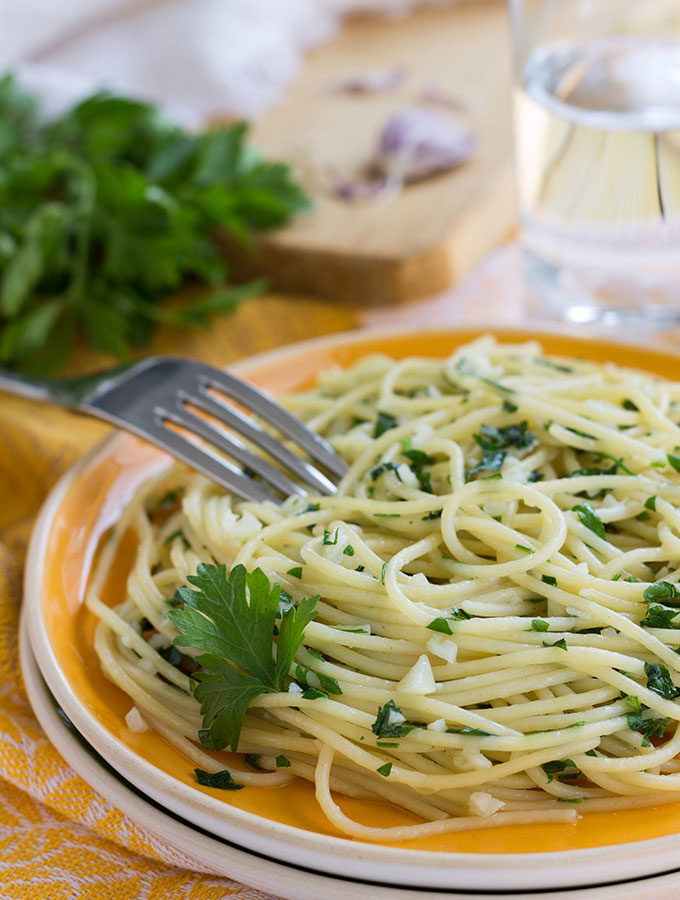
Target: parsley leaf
pixel 236 630
pixel 384 422
pixel 492 438
pixel 660 617
pixel 557 767
pixel 562 644
pixel 659 681
pixel 661 590
pixel 222 779
pixel 390 722
pixel 590 519
pixel 649 727
pixel 441 625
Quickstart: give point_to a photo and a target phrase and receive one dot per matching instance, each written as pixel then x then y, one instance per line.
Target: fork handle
pixel 73 393
pixel 32 388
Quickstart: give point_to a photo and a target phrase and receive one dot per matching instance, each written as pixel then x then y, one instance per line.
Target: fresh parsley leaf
pixel 314 694
pixel 660 617
pixel 382 468
pixel 232 619
pixel 390 722
pixel 441 625
pixel 539 625
pixel 474 732
pixel 649 727
pixel 562 644
pixel 548 363
pixel 384 422
pixel 650 503
pixel 492 438
pixel 557 767
pixel 590 519
pixel 418 458
pixel 674 461
pixel 222 780
pixel 492 462
pixel 661 590
pixel 659 681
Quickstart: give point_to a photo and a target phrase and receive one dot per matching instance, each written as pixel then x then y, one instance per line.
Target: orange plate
pixel 89 508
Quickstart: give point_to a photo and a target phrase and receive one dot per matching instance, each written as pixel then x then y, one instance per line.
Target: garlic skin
pixel 419 142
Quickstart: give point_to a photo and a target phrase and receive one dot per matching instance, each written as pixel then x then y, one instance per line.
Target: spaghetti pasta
pixel 497 579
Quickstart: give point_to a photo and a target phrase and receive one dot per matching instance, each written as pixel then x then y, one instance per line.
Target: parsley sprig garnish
pixel 232 619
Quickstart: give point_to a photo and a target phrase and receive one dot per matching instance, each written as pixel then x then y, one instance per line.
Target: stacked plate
pixel 267 844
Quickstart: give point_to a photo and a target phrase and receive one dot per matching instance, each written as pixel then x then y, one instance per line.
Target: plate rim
pixel 335 851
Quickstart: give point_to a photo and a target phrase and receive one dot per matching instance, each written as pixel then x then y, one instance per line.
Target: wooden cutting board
pixel 422 240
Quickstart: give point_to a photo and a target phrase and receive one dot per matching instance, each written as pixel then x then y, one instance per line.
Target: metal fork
pixel 181 406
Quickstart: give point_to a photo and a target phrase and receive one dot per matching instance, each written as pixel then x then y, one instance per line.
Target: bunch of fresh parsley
pixel 109 208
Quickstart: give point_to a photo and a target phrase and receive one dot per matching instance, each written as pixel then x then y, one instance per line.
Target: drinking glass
pixel 597 156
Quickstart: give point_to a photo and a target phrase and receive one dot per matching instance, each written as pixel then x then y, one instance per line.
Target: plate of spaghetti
pixel 459 672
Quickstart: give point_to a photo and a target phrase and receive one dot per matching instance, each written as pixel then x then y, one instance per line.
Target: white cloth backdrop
pixel 194 57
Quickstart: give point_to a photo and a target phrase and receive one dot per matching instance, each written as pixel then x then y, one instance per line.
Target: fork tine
pixel 246 427
pixel 271 412
pixel 215 467
pixel 232 447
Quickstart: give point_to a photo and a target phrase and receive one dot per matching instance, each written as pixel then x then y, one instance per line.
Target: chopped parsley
pixel 474 732
pixel 282 762
pixel 539 625
pixel 382 468
pixel 562 644
pixel 384 422
pixel 296 572
pixel 492 462
pixel 549 579
pixel 660 617
pixel 649 727
pixel 661 590
pixel 650 503
pixel 221 780
pixel 390 722
pixel 458 613
pixel 314 694
pixel 176 534
pixel 492 438
pixel 674 461
pixel 384 770
pixel 440 625
pixel 659 681
pixel 548 363
pixel 588 517
pixel 557 767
